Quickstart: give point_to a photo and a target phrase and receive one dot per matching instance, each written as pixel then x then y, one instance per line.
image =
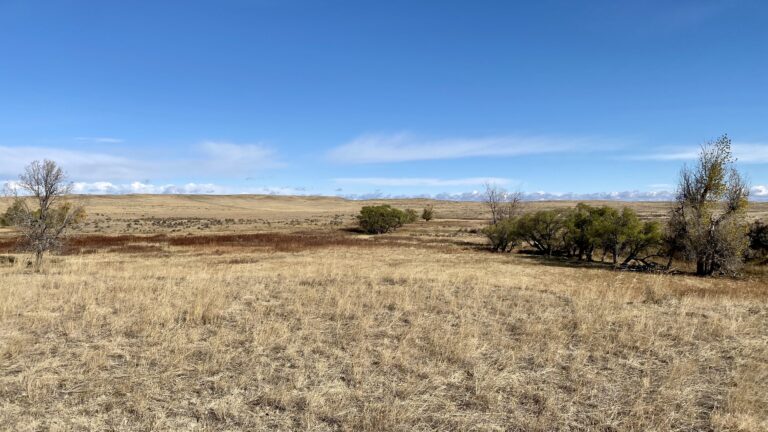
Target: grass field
pixel 266 313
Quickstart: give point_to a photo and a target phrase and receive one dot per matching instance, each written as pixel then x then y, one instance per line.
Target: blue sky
pixel 393 98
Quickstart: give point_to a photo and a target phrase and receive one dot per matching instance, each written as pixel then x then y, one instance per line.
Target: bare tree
pixel 43 224
pixel 709 216
pixel 502 204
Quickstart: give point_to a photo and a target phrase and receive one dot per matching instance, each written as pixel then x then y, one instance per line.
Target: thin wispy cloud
pixel 205 159
pixel 753 153
pixel 79 164
pixel 229 157
pixel 422 181
pixel 404 147
pixel 99 140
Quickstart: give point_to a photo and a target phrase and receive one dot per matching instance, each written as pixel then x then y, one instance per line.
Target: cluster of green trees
pixel 707 225
pixel 583 232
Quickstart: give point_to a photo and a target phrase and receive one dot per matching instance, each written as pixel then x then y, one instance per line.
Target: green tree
pixel 502 235
pixel 585 226
pixel 605 231
pixel 543 230
pixel 638 237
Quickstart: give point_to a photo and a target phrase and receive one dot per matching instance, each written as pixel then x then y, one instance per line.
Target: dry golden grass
pixel 417 330
pixel 386 338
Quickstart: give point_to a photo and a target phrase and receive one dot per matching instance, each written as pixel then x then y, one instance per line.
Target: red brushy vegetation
pixel 283 242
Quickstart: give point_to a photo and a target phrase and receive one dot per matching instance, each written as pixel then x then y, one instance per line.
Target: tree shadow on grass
pixel 563 261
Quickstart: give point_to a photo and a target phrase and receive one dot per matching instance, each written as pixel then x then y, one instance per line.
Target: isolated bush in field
pixel 410 216
pixel 543 230
pixel 380 219
pixel 502 235
pixel 428 213
pixel 709 215
pixel 13 213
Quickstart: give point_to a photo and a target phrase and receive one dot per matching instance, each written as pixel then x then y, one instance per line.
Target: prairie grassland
pixel 182 214
pixel 397 336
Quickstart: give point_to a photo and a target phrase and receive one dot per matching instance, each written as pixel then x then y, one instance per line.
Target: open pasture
pixel 298 323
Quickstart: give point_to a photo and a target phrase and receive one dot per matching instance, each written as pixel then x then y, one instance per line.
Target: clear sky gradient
pixel 381 97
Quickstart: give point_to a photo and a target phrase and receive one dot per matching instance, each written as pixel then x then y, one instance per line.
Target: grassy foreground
pixel 265 313
pixel 394 337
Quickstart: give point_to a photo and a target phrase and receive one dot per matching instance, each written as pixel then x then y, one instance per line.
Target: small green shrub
pixel 380 219
pixel 410 216
pixel 13 213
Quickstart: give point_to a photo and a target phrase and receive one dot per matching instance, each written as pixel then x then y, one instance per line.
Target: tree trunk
pixel 702 267
pixel 38 260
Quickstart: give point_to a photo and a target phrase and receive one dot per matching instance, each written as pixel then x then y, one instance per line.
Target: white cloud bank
pixel 423 181
pixel 757 193
pixel 403 147
pixel 137 187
